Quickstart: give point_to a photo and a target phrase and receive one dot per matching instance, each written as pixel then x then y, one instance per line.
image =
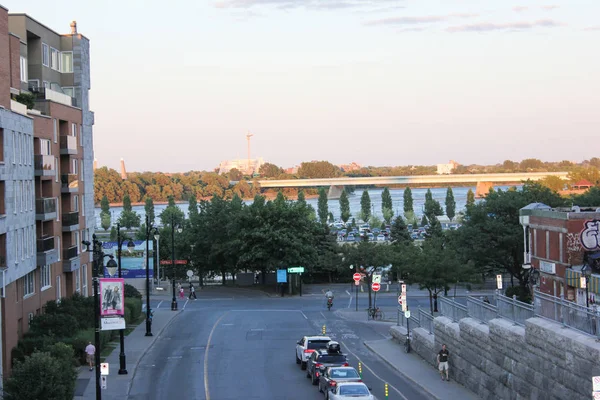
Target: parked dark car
pixel 331 376
pixel 330 357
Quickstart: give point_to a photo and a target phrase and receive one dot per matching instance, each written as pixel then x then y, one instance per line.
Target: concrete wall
pixel 504 361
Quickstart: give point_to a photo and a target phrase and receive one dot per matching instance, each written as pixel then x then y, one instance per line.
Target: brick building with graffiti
pixel 560 243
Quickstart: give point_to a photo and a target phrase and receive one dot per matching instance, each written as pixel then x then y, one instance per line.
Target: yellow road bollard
pixel 387 394
pixel 360 370
pixel 324 329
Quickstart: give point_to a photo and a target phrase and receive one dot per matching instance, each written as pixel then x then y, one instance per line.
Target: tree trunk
pixel 233 278
pixel 430 301
pixel 263 273
pixel 329 275
pixel 223 277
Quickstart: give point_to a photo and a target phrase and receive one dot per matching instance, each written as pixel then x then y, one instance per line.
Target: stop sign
pixel 356 277
pixel 375 286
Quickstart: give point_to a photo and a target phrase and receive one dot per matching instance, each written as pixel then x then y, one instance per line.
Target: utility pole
pixel 248 136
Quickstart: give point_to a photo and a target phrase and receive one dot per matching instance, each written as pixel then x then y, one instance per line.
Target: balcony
pixel 43 165
pixel 45 209
pixel 71 261
pixel 68 145
pixel 70 222
pixel 70 183
pixel 46 253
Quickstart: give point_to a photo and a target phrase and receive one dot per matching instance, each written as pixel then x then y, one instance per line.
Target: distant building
pixel 350 167
pixel 292 170
pixel 247 168
pixel 447 168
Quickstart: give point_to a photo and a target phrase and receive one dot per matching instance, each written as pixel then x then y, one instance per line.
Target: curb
pixel 391 364
pixel 154 338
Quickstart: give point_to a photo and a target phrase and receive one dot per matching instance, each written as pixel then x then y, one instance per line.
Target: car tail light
pixel 318 365
pixel 332 383
pixel 346 365
pixel 308 351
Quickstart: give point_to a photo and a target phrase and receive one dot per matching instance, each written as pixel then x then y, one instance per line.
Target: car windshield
pixel 332 359
pixel 344 373
pixel 317 344
pixel 353 390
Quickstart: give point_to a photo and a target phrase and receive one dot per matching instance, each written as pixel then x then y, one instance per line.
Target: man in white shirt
pixel 90 352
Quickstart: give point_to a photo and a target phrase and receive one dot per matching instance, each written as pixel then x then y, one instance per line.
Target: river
pixel 439 194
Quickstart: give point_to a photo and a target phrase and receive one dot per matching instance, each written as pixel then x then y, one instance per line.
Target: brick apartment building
pixel 559 242
pixel 46 174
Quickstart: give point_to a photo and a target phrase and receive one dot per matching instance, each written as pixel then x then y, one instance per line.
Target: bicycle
pixel 374 313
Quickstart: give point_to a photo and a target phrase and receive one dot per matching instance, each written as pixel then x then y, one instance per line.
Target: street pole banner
pixel 112 300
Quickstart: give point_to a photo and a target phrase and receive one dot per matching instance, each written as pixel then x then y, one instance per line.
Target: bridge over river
pixel 484 181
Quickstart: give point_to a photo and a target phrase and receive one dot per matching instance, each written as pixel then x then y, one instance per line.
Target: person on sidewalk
pixel 442 359
pixel 181 295
pixel 192 292
pixel 90 352
pixel 486 300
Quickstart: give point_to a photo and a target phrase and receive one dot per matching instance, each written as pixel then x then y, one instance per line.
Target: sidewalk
pixel 136 346
pixel 417 370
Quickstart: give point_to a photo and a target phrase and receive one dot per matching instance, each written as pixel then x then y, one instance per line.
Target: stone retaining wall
pixel 501 360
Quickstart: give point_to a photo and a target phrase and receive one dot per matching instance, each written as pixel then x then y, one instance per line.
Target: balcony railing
pixel 43 165
pixel 68 144
pixel 45 244
pixel 71 252
pixel 45 205
pixel 70 181
pixel 70 219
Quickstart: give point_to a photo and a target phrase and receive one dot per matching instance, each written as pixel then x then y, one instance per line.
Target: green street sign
pixel 296 270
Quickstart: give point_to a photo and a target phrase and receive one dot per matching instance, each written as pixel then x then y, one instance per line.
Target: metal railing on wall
pixel 453 310
pixel 572 315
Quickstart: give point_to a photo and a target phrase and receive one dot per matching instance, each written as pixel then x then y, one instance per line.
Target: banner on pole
pixel 112 291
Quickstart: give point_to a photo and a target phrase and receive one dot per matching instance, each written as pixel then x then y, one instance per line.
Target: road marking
pixel 257 329
pixel 187 301
pixel 348 293
pixel 226 324
pixel 323 315
pixel 206 391
pixel 350 302
pixel 263 310
pixel 304 315
pixel 158 306
pixel 373 372
pixel 174 357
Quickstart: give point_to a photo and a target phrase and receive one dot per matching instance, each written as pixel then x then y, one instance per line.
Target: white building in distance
pixel 247 168
pixel 444 169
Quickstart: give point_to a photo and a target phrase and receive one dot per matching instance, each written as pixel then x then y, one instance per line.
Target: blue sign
pixel 281 276
pixel 132 265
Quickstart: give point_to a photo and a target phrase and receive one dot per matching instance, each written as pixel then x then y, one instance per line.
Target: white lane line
pixel 226 324
pixel 206 391
pixel 349 302
pixel 158 306
pixel 174 357
pixel 323 315
pixel 373 372
pixel 304 315
pixel 348 293
pixel 263 310
pixel 187 301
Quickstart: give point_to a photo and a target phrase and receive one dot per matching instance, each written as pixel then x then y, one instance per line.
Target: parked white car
pixel 349 391
pixel 308 344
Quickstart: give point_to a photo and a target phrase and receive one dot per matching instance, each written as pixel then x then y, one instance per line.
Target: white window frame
pixel 45 277
pixel 75 166
pixel 81 174
pixel 23 241
pixel 46 84
pixel 21 196
pixel 77 280
pixel 16 246
pixel 29 285
pixel 55 62
pixel 73 129
pixel 56 169
pixel 76 203
pixel 14 139
pixel 45 54
pixel 83 205
pixel 58 289
pixel 59 248
pixel 45 147
pixel 15 192
pixel 64 67
pixel 23 62
pixel 57 209
pixel 19 147
pixel 55 131
pixel 37 83
pixel 84 279
pixel 80 133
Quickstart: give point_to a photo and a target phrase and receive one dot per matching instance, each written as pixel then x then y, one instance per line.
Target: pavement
pixel 136 346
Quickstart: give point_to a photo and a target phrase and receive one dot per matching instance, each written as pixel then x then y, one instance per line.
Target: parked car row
pixel 327 367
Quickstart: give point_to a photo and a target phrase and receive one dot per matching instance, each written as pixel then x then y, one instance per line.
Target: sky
pixel 177 85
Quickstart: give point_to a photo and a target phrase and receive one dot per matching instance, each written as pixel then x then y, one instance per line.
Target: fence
pixel 426 320
pixel 513 309
pixel 414 320
pixel 481 310
pixel 568 313
pixel 453 310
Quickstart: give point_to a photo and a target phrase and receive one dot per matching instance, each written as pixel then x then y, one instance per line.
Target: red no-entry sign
pixel 375 286
pixel 356 277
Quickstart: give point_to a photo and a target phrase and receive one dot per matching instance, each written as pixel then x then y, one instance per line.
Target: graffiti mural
pixel 590 235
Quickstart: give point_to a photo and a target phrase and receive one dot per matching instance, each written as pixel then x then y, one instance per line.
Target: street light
pixel 179 230
pixel 98 261
pixel 130 247
pixel 149 230
pixel 587 272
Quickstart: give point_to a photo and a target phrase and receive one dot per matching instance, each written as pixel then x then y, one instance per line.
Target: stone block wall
pixel 500 360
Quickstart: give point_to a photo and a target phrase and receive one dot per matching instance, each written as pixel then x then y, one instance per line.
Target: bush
pixel 82 338
pixel 29 344
pixel 131 292
pixel 59 325
pixel 27 99
pixel 521 292
pixel 41 377
pixel 135 308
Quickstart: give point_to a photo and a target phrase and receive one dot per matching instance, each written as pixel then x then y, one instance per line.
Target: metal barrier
pixel 513 309
pixel 568 313
pixel 426 320
pixel 481 310
pixel 453 310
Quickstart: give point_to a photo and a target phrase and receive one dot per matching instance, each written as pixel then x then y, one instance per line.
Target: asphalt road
pixel 239 344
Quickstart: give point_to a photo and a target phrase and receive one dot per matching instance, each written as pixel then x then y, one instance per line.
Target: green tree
pixel 344 206
pixel 553 182
pixel 268 170
pixel 235 174
pixel 423 220
pixel 386 205
pixel 432 207
pixel 105 221
pixel 450 204
pixel 301 197
pixel 365 206
pixel 172 213
pixel 193 206
pixel 105 206
pixel 470 198
pixel 149 208
pixel 408 202
pixel 322 207
pixel 113 233
pixel 591 198
pixel 128 218
pixel 399 232
pixel 318 169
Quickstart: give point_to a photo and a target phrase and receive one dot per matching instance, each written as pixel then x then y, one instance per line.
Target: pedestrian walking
pixel 486 300
pixel 192 292
pixel 442 359
pixel 181 295
pixel 256 279
pixel 90 352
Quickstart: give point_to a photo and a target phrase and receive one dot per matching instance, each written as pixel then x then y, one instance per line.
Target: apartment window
pixel 32 197
pixel 58 247
pixel 23 241
pixel 58 289
pixel 26 242
pixel 1 145
pixel 80 134
pixel 45 277
pixel 73 129
pixel 2 202
pixel 15 191
pixel 45 55
pixel 67 62
pixel 55 131
pixel 54 59
pixel 56 169
pixel 45 148
pixel 81 245
pixel 19 148
pixel 29 284
pixel 76 203
pixel 75 167
pixel 77 281
pixel 46 84
pixel 82 202
pixel 84 280
pixel 82 174
pixel 33 85
pixel 23 69
pixel 57 209
pixel 16 246
pixel 69 91
pixel 14 143
pixel 21 195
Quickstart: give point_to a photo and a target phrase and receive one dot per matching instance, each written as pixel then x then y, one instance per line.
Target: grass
pixel 133 325
pixel 107 350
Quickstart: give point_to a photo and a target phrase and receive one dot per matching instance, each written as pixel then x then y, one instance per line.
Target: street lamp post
pixel 149 230
pixel 587 272
pixel 130 246
pixel 174 300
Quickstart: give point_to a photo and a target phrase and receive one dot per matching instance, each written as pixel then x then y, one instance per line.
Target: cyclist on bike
pixel 329 294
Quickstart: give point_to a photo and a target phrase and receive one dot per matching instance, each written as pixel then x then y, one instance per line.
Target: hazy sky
pixel 176 85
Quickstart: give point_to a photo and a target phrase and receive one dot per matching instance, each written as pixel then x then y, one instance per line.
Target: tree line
pixel 182 186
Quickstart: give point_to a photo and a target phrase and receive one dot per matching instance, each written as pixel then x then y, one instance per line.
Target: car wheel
pixel 307 374
pixel 297 359
pixel 314 381
pixel 320 388
pixel 327 394
pixel 303 365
